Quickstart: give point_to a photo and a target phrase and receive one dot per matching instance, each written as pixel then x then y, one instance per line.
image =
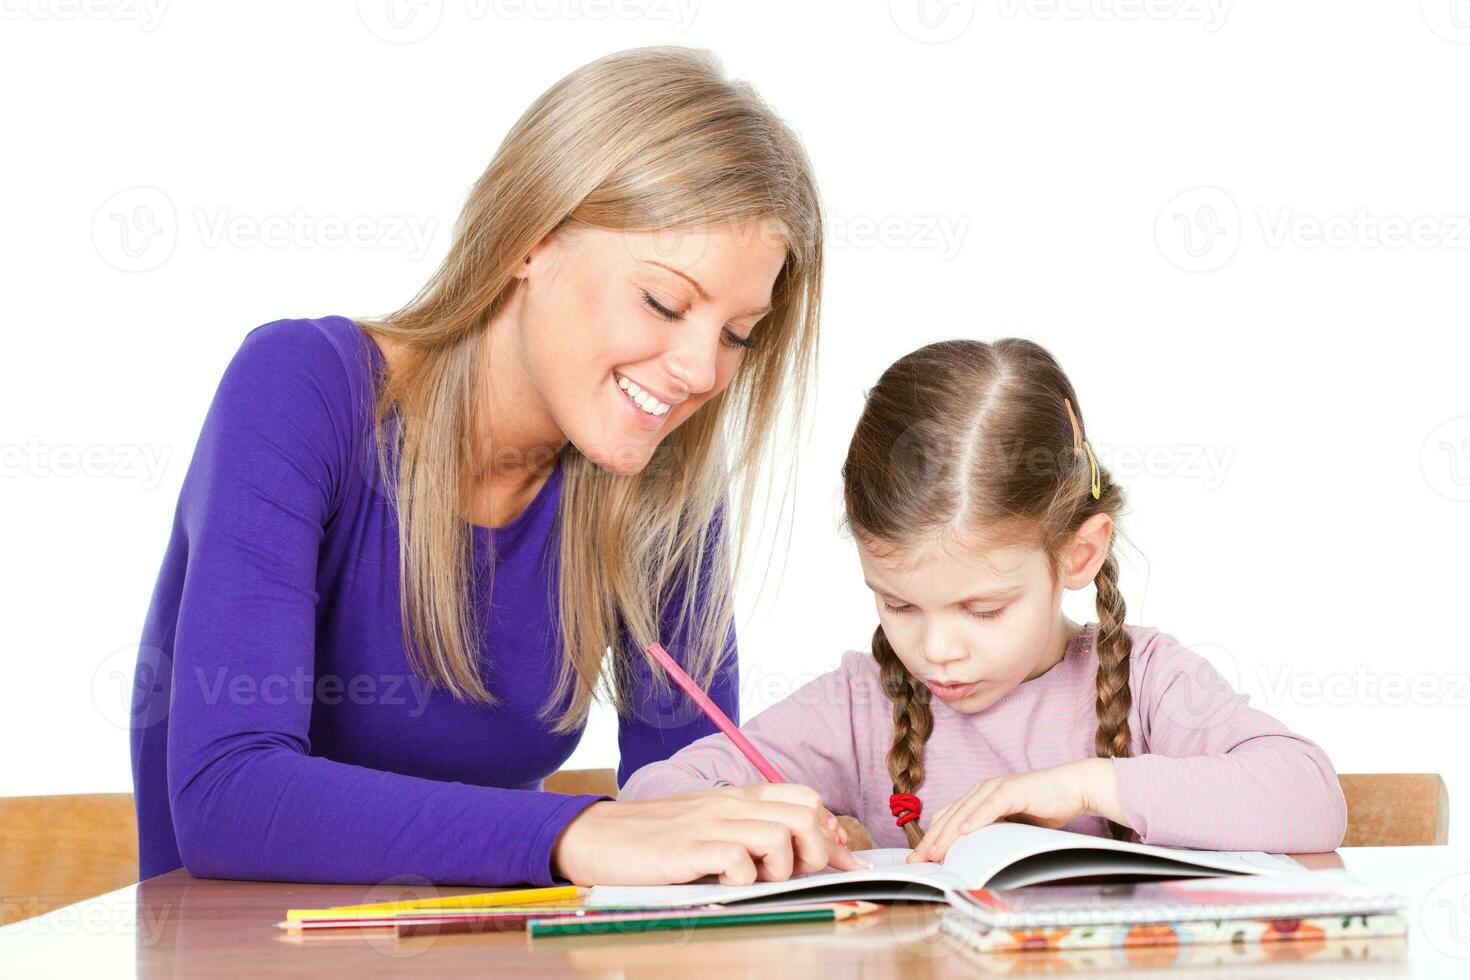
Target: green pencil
pixel 631 922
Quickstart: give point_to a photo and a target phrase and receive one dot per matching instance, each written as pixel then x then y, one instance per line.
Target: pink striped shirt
pixel 1207 770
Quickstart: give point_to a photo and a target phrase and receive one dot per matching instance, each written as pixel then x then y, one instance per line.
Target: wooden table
pixel 178 926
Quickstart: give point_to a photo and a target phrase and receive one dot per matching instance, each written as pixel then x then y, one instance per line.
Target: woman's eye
pixel 733 339
pixel 663 312
pixel 728 337
pixel 986 614
pixel 896 609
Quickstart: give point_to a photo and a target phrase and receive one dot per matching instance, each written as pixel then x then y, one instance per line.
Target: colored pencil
pixel 712 710
pixel 635 922
pixel 502 919
pixel 524 896
pixel 444 925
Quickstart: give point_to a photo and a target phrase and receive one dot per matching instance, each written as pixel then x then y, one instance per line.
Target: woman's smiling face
pixel 623 336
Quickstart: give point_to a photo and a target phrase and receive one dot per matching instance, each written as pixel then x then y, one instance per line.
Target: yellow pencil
pixel 525 896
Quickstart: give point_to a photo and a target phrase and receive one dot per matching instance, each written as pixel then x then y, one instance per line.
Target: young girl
pixel 975 500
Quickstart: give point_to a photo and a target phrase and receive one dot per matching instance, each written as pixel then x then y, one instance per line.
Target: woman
pixel 404 546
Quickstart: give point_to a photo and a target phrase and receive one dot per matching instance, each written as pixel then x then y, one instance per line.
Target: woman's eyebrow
pixel 761 311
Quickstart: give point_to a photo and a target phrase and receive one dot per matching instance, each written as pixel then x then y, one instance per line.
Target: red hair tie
pixel 905 806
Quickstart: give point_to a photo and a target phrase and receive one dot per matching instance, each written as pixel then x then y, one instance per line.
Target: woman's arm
pixel 1218 773
pixel 248 799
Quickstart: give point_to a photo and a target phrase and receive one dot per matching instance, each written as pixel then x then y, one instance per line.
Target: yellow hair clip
pixel 1080 444
pixel 1096 477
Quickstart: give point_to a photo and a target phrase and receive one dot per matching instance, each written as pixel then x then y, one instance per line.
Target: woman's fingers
pixel 820 841
pixel 815 849
pixel 768 844
pixel 731 861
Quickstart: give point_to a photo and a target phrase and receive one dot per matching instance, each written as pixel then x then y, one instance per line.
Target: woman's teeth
pixel 641 398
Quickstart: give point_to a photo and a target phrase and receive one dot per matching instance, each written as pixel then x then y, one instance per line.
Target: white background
pixel 1242 228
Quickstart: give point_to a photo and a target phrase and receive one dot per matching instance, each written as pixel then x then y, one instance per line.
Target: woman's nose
pixel 691 362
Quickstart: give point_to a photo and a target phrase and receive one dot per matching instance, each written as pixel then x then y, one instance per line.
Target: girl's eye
pixel 896 609
pixel 989 614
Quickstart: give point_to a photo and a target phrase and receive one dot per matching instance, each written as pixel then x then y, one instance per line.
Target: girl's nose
pixel 941 646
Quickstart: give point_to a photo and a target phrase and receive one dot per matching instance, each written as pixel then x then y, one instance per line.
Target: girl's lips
pixel 952 692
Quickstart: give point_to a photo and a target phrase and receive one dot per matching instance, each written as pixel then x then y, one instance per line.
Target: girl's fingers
pixel 958 821
pixel 926 849
pixel 997 807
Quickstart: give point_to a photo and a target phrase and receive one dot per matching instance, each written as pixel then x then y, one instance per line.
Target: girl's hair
pixel 967 441
pixel 652 139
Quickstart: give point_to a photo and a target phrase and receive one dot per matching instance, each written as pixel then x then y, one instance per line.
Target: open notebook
pixel 1001 855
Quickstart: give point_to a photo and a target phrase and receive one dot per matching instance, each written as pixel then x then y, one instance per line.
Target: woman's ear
pixel 1085 555
pixel 531 259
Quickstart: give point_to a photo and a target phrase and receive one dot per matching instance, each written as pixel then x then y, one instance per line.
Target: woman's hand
pixel 762 832
pixel 1044 797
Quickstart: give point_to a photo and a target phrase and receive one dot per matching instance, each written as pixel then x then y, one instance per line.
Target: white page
pixel 889 869
pixel 978 858
pixel 972 862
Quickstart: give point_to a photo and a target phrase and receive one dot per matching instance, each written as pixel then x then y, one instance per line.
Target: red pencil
pixel 676 673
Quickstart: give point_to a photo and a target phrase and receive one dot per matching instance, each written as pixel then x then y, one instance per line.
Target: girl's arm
pixel 1214 772
pixel 807 736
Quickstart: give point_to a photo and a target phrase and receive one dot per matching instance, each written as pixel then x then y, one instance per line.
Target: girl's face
pixel 623 336
pixel 972 623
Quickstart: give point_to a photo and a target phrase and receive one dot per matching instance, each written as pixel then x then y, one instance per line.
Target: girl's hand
pixel 1044 797
pixel 765 832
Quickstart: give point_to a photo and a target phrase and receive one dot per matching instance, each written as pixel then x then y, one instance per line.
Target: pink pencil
pixel 715 714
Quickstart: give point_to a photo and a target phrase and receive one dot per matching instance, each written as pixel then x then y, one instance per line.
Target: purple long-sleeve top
pixel 279 732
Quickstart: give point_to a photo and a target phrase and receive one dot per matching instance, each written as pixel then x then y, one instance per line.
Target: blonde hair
pixel 975 439
pixel 648 139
